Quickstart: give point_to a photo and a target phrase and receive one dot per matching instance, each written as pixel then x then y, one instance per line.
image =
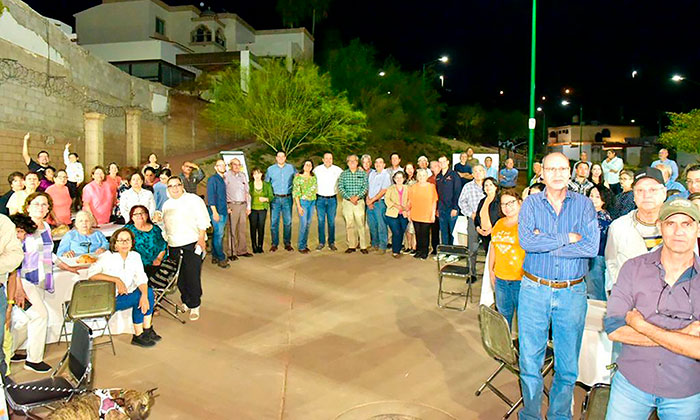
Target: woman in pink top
pixel 97 196
pixel 61 198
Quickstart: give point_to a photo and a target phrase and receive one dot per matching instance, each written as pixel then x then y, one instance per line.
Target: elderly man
pixel 281 175
pixel 508 176
pixel 653 312
pixel 353 187
pixel 42 159
pixel 537 173
pixel 558 230
pixel 366 163
pixel 469 199
pixel 663 159
pixel 238 205
pixel 612 166
pixel 216 198
pixel 423 162
pixel 449 186
pixel 186 221
pixel 191 175
pixel 581 184
pixel 637 232
pixel 379 181
pixel 463 169
pixel 327 176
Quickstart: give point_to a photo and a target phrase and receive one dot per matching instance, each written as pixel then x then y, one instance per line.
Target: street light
pixel 567 91
pixel 544 98
pixel 442 80
pixel 500 92
pixel 382 74
pixel 444 59
pixel 634 73
pixel 564 102
pixel 580 124
pixel 677 78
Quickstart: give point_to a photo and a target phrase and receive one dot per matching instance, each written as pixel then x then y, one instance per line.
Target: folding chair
pixel 164 282
pixel 91 300
pixel 27 396
pixel 453 261
pixel 499 344
pixel 595 405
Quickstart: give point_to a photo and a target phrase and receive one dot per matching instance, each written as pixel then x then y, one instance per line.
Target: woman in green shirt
pixel 304 190
pixel 260 197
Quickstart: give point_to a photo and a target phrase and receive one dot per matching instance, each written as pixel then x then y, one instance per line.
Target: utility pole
pixel 532 122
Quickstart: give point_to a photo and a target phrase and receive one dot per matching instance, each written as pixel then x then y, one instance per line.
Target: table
pixel 460 233
pixel 596 347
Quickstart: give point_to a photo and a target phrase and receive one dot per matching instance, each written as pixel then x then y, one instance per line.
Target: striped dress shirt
pixel 548 252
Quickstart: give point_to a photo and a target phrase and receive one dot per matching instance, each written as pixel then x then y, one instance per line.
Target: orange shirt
pixel 508 254
pixel 61 203
pixel 423 199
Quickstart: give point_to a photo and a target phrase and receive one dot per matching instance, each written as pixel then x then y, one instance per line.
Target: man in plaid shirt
pixel 353 186
pixel 469 199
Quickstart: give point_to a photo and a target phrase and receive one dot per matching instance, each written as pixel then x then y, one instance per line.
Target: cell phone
pixel 27 304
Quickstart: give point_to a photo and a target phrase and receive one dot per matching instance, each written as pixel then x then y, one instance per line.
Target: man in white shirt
pixel 186 221
pixel 326 200
pixel 612 166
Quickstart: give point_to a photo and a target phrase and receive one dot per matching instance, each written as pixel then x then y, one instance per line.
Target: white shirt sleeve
pixel 98 266
pixel 140 277
pixel 202 215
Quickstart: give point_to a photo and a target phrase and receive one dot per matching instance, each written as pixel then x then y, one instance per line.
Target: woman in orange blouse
pixel 422 199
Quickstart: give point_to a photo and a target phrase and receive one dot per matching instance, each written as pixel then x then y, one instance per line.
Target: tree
pixel 285 110
pixel 296 12
pixel 684 132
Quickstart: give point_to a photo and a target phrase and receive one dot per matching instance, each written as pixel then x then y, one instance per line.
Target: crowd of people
pixel 575 232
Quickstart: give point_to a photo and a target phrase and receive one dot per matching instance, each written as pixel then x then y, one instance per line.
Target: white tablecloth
pixel 460 233
pixel 596 347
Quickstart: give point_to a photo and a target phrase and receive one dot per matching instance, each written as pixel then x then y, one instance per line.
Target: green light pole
pixel 532 121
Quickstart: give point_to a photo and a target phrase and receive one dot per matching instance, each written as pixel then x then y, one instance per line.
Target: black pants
pixel 435 234
pixel 257 229
pixel 422 238
pixel 72 188
pixel 189 281
pixel 616 188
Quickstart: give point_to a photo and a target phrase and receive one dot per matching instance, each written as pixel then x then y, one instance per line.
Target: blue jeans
pixel 305 222
pixel 398 227
pixel 565 309
pixel 507 292
pixel 377 225
pixel 281 205
pixel 217 241
pixel 131 300
pixel 595 279
pixel 628 402
pixel 447 225
pixel 325 210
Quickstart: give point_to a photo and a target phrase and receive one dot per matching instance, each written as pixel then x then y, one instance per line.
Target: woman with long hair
pixel 397 206
pixel 488 211
pixel 410 245
pixel 304 188
pixel 602 199
pixel 596 175
pixel 136 195
pixel 260 198
pixel 97 196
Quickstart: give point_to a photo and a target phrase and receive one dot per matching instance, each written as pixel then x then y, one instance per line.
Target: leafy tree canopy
pixel 286 110
pixel 684 132
pixel 296 12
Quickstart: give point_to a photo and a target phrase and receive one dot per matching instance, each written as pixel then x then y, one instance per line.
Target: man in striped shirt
pixel 558 230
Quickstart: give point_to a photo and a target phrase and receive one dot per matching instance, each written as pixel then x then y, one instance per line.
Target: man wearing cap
pixel 612 166
pixel 653 312
pixel 423 163
pixel 663 159
pixel 637 232
pixel 581 184
pixel 558 230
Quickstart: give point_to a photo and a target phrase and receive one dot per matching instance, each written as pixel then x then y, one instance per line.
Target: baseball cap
pixel 679 205
pixel 649 172
pixel 423 158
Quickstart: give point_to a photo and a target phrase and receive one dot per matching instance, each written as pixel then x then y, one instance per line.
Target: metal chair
pixel 595 405
pixel 91 300
pixel 164 282
pixel 447 267
pixel 27 396
pixel 499 344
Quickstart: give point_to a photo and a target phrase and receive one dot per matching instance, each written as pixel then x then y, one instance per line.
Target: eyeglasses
pixel 43 205
pixel 684 316
pixel 123 241
pixel 173 186
pixel 138 213
pixel 560 170
pixel 508 203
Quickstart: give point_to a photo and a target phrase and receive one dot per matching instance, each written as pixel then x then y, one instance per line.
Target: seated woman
pixel 82 239
pixel 148 242
pixel 123 267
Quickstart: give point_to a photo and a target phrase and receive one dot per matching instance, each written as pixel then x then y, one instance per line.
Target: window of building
pixel 220 38
pixel 201 34
pixel 156 71
pixel 160 26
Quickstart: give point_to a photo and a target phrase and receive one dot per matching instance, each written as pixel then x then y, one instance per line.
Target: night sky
pixel 590 46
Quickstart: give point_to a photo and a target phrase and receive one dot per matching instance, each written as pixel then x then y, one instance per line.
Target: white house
pixel 172 44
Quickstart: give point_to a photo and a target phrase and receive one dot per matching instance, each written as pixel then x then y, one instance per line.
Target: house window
pixel 201 34
pixel 160 26
pixel 220 38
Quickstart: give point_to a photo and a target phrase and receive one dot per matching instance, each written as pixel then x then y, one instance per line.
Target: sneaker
pixel 288 247
pixel 350 250
pixel 332 247
pixel 364 251
pixel 40 367
pixel 273 248
pixel 214 260
pixel 223 264
pixel 395 255
pixel 194 314
pixel 319 247
pixel 151 333
pixel 304 251
pixel 183 308
pixel 18 357
pixel 416 255
pixel 406 251
pixel 142 340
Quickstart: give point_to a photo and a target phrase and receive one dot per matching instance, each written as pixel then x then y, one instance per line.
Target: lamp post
pixel 679 78
pixel 566 102
pixel 532 122
pixel 544 127
pixel 444 59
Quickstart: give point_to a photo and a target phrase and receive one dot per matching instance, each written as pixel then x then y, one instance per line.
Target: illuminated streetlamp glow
pixel 444 59
pixel 634 73
pixel 632 121
pixel 677 78
pixel 382 74
pixel 567 91
pixel 442 80
pixel 501 92
pixel 565 102
pixel 544 98
pixel 539 109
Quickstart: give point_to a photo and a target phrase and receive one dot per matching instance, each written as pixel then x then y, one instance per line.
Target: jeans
pixel 131 300
pixel 595 279
pixel 281 205
pixel 565 309
pixel 217 240
pixel 447 225
pixel 325 210
pixel 507 293
pixel 398 228
pixel 305 222
pixel 377 225
pixel 628 402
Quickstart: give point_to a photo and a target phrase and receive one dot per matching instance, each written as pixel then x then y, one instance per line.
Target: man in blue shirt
pixel 379 181
pixel 663 158
pixel 463 169
pixel 449 186
pixel 509 175
pixel 281 175
pixel 216 199
pixel 558 230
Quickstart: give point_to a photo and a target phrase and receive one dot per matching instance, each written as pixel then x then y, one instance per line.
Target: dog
pixel 108 404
